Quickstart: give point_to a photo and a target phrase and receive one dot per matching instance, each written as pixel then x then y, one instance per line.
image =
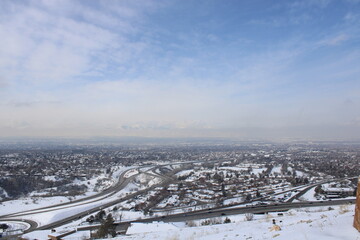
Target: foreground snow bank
pixel 310 223
pixel 136 228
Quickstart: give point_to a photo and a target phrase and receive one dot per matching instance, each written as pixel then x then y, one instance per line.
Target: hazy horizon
pixel 180 69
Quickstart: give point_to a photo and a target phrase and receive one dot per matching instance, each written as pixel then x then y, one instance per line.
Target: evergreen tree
pixel 107 228
pixel 223 190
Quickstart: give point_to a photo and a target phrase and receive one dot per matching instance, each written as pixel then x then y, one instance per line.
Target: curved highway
pixel 121 184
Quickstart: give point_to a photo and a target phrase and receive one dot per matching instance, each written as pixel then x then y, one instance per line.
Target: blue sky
pixel 239 69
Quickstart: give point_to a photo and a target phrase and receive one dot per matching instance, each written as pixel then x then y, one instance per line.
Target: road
pixel 33 225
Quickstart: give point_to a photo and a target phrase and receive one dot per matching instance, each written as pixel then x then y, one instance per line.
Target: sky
pixel 246 69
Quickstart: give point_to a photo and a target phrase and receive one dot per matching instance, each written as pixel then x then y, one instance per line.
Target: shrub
pixel 249 216
pixel 343 209
pixel 191 224
pixel 211 221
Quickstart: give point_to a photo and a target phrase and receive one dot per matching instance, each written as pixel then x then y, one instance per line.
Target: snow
pixel 176 166
pixel 276 169
pixel 50 178
pixel 16 225
pixel 258 170
pixel 118 170
pixel 3 193
pixel 255 168
pixel 309 195
pixel 300 174
pixel 43 217
pixel 143 178
pixel 233 200
pixel 184 173
pixel 25 204
pixel 131 173
pixel 338 189
pixel 60 212
pixel 43 234
pixel 30 203
pixel 35 200
pixel 233 168
pixel 169 201
pixel 153 181
pixel 130 188
pixel 136 228
pixel 318 223
pixel 81 235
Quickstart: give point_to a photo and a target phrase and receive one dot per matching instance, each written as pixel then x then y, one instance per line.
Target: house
pixel 54 235
pixel 60 235
pixel 335 192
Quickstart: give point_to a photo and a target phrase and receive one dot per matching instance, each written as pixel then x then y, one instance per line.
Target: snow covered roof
pixel 335 189
pixel 42 234
pixel 79 235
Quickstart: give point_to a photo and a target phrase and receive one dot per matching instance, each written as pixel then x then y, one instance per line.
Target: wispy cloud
pixel 309 3
pixel 336 40
pixel 43 43
pixel 3 82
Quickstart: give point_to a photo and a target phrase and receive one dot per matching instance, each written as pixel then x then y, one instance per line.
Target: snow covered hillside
pixel 325 223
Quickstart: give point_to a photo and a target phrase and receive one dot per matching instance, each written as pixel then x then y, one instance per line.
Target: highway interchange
pixel 121 184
